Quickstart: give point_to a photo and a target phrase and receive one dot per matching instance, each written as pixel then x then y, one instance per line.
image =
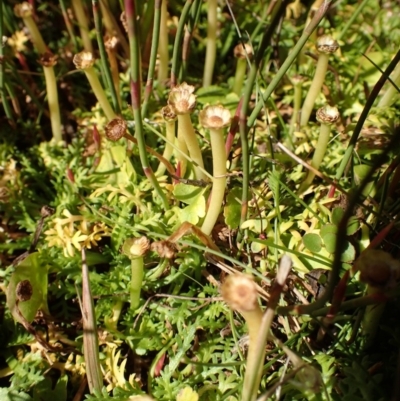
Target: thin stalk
pixel 389 96
pixel 170 125
pixel 4 99
pixel 103 56
pixel 90 336
pixel 83 24
pixel 211 44
pixel 364 114
pixel 240 73
pixel 178 40
pixel 162 74
pixel 14 99
pixel 298 90
pixel 353 17
pixel 47 60
pixel 186 130
pixel 219 180
pixel 130 10
pixel 243 127
pixel 153 56
pixel 110 45
pixel 68 25
pixel 326 116
pixel 289 60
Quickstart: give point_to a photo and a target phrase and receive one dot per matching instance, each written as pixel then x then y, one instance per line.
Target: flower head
pixel 23 10
pixel 83 60
pixel 215 117
pixel 168 114
pixel 326 44
pixel 242 50
pixel 327 115
pixel 136 247
pixel 181 99
pixel 116 129
pixel 240 292
pixel 48 59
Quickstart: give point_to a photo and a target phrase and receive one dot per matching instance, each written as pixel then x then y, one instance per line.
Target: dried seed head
pixel 326 44
pixel 124 21
pixel 83 60
pixel 23 10
pixel 242 50
pixel 110 42
pixel 136 247
pixel 240 293
pixel 181 99
pixel 46 211
pixel 48 59
pixel 214 117
pixel 377 268
pixel 327 115
pixel 116 129
pixel 165 249
pixel 168 114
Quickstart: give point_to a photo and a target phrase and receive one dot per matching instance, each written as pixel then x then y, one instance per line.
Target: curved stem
pixel 83 24
pixel 315 88
pixel 219 180
pixel 319 154
pixel 186 130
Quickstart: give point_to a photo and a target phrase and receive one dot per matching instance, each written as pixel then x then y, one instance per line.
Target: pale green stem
pixel 211 47
pixel 35 34
pixel 83 24
pixel 389 96
pixel 111 322
pixel 319 154
pixel 219 180
pixel 253 369
pixel 163 47
pixel 298 89
pixel 241 68
pixel 315 88
pixel 99 92
pixel 52 98
pixel 168 151
pixel 186 130
pixel 136 281
pixel 181 152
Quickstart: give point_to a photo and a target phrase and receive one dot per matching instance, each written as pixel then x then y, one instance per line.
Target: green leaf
pixel 312 242
pixel 187 193
pixel 337 214
pixel 29 271
pixel 187 394
pixel 7 394
pixel 233 208
pixel 44 391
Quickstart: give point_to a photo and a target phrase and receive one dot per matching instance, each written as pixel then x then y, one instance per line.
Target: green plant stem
pixel 111 54
pixel 186 131
pixel 289 60
pixel 315 88
pixel 298 90
pixel 168 151
pixel 90 336
pixel 136 281
pixel 240 73
pixel 68 25
pixel 319 154
pixel 178 40
pixel 389 96
pixel 52 98
pixel 35 34
pixel 364 114
pixel 83 24
pixel 211 45
pixel 353 17
pixel 153 57
pixel 98 91
pixel 219 180
pixel 243 127
pixel 131 17
pixel 4 99
pixel 162 74
pixel 103 56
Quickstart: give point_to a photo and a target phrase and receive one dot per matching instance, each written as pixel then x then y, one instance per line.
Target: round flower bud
pixel 326 44
pixel 23 10
pixel 83 60
pixel 116 129
pixel 181 99
pixel 327 115
pixel 48 59
pixel 214 117
pixel 242 50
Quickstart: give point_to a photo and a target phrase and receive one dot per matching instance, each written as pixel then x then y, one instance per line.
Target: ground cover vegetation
pixel 199 200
